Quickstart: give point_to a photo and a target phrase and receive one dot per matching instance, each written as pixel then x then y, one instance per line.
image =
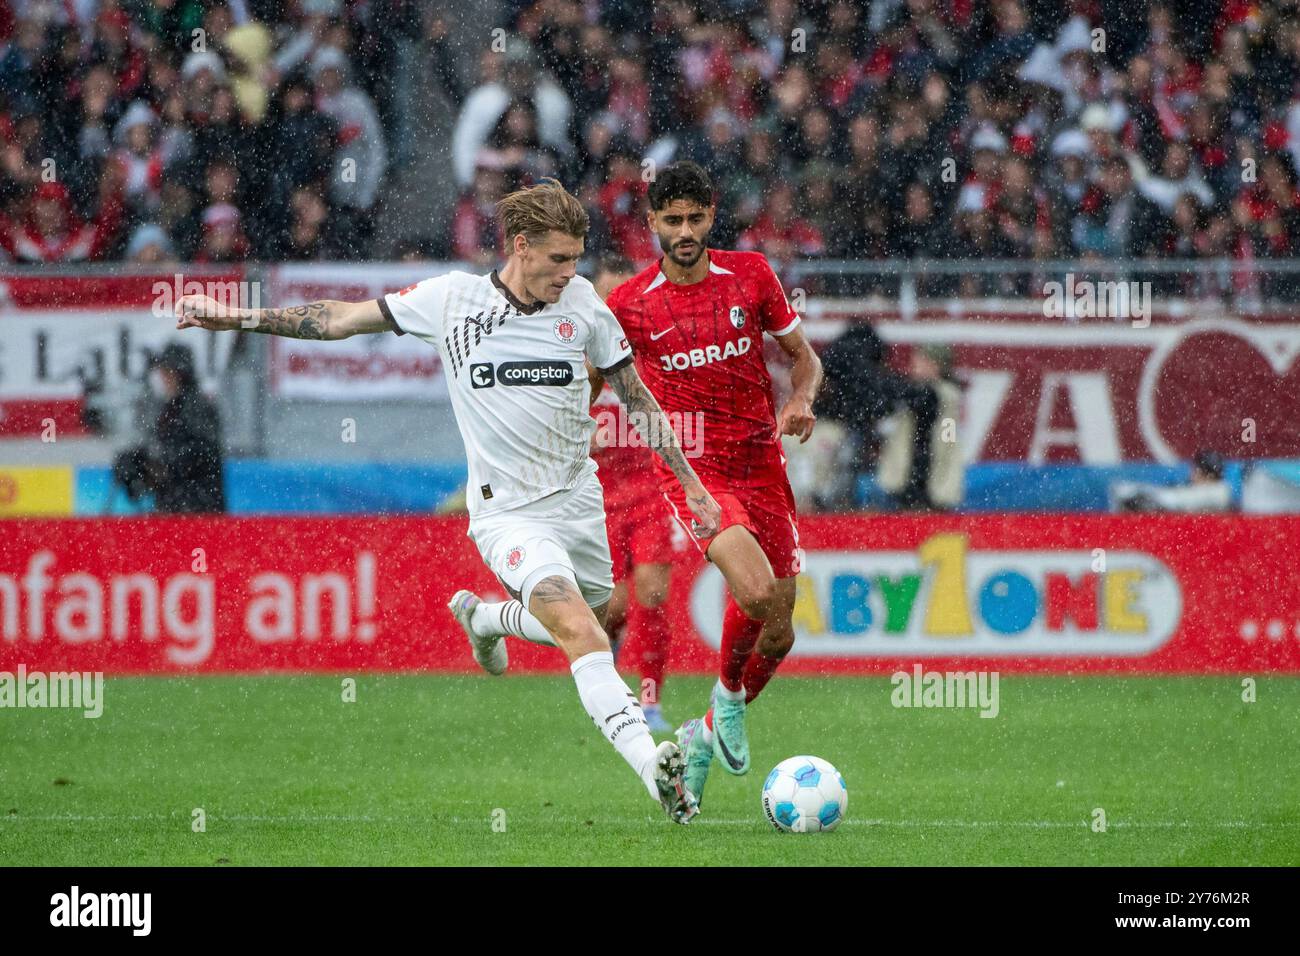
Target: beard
pixel 670 250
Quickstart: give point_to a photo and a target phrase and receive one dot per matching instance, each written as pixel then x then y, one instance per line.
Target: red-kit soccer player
pixel 643 534
pixel 695 321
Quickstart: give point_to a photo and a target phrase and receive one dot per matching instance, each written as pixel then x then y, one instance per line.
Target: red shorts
pixel 767 512
pixel 641 531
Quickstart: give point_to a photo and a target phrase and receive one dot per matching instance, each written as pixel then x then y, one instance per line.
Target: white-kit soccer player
pixel 515 344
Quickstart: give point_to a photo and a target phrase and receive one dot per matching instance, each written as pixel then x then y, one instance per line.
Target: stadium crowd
pixel 913 128
pixel 950 129
pixel 185 130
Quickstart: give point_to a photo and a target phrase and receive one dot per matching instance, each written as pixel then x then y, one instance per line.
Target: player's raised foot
pixel 678 802
pixel 699 756
pixel 730 743
pixel 489 652
pixel 654 719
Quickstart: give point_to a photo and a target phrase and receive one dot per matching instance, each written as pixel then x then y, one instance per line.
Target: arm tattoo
pixel 296 322
pixel 631 391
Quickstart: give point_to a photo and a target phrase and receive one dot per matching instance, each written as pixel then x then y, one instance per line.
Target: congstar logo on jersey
pixel 485 374
pixel 705 356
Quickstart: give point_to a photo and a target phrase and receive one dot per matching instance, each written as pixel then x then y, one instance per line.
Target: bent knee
pixel 651 587
pixel 756 598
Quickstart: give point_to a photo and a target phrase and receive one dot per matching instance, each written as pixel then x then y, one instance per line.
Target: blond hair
pixel 539 209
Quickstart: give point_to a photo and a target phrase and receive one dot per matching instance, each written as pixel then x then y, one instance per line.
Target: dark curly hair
pixel 680 180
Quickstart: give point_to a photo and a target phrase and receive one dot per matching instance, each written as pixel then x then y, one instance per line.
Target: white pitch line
pixel 701 821
pixel 236 818
pixel 1038 824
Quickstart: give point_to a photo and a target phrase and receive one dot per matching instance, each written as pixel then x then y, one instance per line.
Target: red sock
pixel 739 635
pixel 648 627
pixel 758 671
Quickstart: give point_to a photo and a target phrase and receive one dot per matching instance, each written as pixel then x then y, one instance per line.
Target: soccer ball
pixel 805 795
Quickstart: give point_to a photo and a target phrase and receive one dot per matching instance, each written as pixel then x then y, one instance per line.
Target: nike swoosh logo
pixel 727 754
pixel 618 713
pixel 656 336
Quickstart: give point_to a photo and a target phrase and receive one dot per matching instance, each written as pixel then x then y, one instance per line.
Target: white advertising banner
pixel 58 353
pixel 362 367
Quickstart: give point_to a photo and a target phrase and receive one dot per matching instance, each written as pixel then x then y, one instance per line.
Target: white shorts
pixel 562 534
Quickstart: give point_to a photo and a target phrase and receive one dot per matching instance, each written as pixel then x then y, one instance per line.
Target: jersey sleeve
pixel 778 315
pixel 418 308
pixel 607 346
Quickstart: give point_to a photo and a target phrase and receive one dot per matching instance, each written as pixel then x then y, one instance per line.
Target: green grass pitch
pixel 419 769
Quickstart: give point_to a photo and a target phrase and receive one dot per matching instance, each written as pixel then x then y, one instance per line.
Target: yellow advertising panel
pixel 35 491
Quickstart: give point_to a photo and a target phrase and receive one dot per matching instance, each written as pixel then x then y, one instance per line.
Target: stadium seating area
pixel 181 130
pixel 902 128
pixel 918 129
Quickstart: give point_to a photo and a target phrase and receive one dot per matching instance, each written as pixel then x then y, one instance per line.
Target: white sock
pixel 616 713
pixel 509 617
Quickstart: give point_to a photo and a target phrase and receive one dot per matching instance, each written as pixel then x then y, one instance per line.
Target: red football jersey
pixel 699 349
pixel 623 460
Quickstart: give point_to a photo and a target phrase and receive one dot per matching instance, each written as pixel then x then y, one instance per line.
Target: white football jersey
pixel 518 382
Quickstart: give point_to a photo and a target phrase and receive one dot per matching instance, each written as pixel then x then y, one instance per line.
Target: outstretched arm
pixel 316 320
pixel 632 392
pixel 797 416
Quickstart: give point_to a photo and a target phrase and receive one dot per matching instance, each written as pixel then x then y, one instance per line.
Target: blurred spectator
pixel 149 245
pixel 932 365
pixel 1178 177
pixel 977 236
pixel 306 238
pixel 917 233
pixel 223 238
pixel 50 230
pixel 1066 183
pixel 1022 212
pixel 312 33
pixel 1206 490
pixel 859 392
pixel 1113 220
pixel 622 209
pixel 142 160
pixel 302 140
pixel 515 148
pixel 816 200
pixel 487 104
pixel 778 232
pixel 474 223
pixel 180 461
pixel 361 159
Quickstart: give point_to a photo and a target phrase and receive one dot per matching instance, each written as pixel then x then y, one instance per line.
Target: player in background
pixel 516 345
pixel 643 535
pixel 695 321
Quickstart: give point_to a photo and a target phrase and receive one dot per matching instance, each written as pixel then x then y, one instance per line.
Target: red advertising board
pixel 1050 593
pixel 1102 392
